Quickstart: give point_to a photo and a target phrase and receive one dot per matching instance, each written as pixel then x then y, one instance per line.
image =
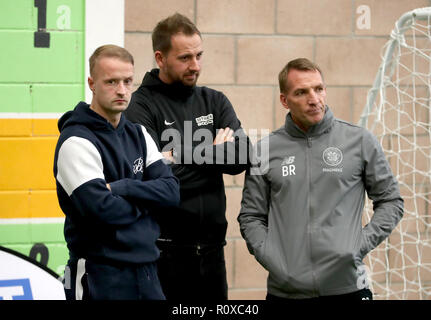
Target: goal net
pixel 398 112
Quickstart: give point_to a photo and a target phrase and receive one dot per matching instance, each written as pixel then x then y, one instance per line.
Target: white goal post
pixel 398 112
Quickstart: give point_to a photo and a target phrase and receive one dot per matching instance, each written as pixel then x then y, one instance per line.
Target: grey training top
pixel 301 212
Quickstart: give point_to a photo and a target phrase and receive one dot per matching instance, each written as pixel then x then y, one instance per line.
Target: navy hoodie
pixel 103 225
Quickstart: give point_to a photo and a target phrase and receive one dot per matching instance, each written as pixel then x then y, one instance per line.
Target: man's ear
pixel 91 84
pixel 158 55
pixel 283 101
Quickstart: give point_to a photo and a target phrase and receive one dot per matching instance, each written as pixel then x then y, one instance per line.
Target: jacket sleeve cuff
pixel 119 187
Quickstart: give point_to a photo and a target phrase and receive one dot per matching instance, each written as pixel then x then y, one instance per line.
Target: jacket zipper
pixel 310 226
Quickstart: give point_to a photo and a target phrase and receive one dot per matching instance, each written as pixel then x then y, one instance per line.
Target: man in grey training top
pixel 301 210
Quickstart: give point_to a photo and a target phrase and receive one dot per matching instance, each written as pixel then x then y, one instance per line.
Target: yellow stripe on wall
pixel 28 127
pixel 15 127
pixel 45 127
pixel 44 204
pixel 26 163
pixel 29 204
pixel 27 184
pixel 14 204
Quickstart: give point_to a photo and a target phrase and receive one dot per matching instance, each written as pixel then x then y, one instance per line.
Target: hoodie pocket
pixel 270 258
pixel 260 253
pixel 357 257
pixel 362 249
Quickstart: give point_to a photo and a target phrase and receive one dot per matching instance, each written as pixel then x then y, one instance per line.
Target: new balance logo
pixel 287 166
pixel 288 160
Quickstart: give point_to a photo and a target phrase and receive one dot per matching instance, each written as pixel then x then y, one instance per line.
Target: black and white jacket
pixel 114 225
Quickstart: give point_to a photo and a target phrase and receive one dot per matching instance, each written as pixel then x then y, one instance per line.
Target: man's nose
pixel 121 88
pixel 195 64
pixel 313 97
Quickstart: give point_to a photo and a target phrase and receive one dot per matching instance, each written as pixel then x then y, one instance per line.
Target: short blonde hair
pixel 109 51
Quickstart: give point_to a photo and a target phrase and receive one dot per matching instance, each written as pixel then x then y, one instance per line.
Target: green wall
pixel 37 84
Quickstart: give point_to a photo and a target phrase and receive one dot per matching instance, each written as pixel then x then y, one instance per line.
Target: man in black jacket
pixel 199 134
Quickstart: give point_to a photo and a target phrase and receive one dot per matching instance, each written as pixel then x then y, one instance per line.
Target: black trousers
pixel 364 294
pixel 88 280
pixel 190 275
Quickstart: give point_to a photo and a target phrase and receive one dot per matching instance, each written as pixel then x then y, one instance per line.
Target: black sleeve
pixel 138 111
pixel 229 157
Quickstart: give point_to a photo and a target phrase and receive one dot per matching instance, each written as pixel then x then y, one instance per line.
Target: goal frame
pixel 397 36
pixel 382 81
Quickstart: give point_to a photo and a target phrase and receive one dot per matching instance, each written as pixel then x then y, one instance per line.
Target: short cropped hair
pixel 165 29
pixel 109 51
pixel 301 64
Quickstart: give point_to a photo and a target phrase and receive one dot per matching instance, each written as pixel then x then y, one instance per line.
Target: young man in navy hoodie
pixel 109 175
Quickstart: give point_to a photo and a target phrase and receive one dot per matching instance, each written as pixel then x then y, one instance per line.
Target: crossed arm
pixel 80 173
pixel 223 135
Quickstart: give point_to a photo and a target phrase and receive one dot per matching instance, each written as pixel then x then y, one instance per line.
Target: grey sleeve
pixel 382 188
pixel 253 216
